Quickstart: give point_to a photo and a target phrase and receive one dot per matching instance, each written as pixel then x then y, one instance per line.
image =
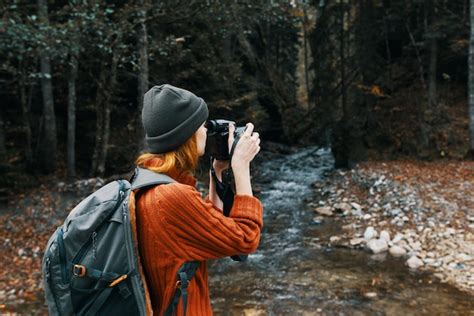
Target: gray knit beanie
pixel 170 116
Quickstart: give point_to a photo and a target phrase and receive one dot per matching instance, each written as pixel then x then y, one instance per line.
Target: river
pixel 293 273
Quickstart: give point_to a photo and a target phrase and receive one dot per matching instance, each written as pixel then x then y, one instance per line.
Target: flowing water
pixel 293 274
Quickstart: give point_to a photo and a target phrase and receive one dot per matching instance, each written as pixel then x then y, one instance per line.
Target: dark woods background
pixel 371 79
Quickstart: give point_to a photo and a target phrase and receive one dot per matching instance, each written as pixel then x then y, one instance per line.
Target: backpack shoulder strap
pixel 144 178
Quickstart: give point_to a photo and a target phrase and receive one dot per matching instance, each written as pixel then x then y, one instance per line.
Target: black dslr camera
pixel 217 138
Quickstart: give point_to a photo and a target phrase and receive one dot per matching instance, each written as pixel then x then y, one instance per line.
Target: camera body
pixel 217 138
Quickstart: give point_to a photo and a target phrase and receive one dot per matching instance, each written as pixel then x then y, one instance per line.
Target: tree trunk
pixel 143 68
pixel 48 147
pixel 2 136
pixel 342 63
pixel 106 116
pixel 306 65
pixel 71 119
pixel 24 101
pixel 99 120
pixel 431 28
pixel 471 79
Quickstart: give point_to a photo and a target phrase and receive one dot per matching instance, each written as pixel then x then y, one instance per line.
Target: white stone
pixel 416 246
pixel 334 239
pixel 370 233
pixel 370 295
pixel 397 251
pixel 377 245
pixel 397 238
pixel 463 257
pixel 385 235
pixel 324 210
pixel 356 241
pixel 355 205
pixel 414 262
pixel 366 217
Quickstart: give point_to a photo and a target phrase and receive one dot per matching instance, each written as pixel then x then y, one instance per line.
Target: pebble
pixel 349 227
pixel 370 233
pixel 377 245
pixel 355 206
pixel 385 235
pixel 397 238
pixel 370 295
pixel 344 207
pixel 397 251
pixel 356 241
pixel 414 262
pixel 395 212
pixel 324 210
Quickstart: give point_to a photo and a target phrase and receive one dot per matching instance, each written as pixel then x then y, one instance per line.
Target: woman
pixel 174 224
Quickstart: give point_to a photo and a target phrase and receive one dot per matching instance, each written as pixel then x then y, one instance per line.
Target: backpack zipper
pixel 50 284
pixel 62 256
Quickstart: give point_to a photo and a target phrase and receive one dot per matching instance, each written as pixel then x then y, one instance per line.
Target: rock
pixel 397 251
pixel 415 246
pixel 356 241
pixel 405 219
pixel 355 206
pixel 324 210
pixel 366 217
pixel 370 233
pixel 318 220
pixel 349 227
pixel 414 262
pixel 385 235
pixel 343 207
pixel 395 212
pixel 370 295
pixel 334 239
pixel 397 238
pixel 377 245
pixel 463 257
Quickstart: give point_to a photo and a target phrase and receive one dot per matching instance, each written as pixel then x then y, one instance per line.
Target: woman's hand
pixel 247 147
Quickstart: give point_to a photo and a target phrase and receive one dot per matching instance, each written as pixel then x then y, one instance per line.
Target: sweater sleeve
pixel 199 231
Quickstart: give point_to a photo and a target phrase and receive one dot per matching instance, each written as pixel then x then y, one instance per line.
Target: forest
pixel 372 81
pixel 383 77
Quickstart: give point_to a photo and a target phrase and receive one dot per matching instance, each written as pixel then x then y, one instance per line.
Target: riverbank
pixel 421 211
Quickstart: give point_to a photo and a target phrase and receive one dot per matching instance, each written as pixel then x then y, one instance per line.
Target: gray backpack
pixel 90 265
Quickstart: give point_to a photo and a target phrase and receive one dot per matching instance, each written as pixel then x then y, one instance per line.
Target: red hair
pixel 184 158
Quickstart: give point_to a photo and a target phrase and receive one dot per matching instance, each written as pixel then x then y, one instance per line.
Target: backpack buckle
pixel 179 284
pixel 79 270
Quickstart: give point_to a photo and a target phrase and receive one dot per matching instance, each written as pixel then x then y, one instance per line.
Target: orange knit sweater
pixel 174 225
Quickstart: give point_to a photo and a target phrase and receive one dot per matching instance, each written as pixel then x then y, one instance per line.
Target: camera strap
pixel 226 194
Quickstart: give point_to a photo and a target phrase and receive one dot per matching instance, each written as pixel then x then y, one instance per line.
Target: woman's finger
pixel 231 135
pixel 249 129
